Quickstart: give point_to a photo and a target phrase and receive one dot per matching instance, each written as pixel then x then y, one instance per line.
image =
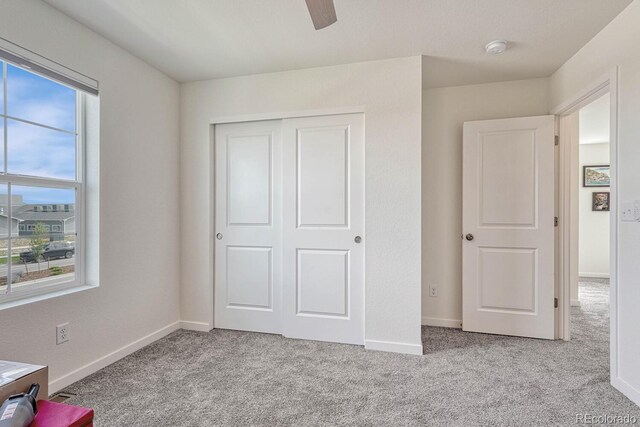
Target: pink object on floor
pixel 51 414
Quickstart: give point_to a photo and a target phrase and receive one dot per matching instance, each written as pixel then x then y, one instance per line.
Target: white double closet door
pixel 289 214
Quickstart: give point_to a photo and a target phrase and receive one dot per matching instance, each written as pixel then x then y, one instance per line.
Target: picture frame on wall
pixel 596 176
pixel 600 201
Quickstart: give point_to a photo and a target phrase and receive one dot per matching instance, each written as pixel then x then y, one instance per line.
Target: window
pixel 41 168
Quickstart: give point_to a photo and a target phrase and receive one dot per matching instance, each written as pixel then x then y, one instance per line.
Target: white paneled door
pixel 323 224
pixel 508 227
pixel 248 240
pixel 290 227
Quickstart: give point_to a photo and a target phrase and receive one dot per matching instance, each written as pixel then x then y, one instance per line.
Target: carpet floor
pixel 463 379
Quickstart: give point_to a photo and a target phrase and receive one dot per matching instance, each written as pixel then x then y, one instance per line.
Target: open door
pixel 508 225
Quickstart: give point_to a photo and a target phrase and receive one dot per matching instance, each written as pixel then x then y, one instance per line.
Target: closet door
pixel 248 249
pixel 323 202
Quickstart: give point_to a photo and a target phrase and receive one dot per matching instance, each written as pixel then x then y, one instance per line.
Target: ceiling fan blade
pixel 323 13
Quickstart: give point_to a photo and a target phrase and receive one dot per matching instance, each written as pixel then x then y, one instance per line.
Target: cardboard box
pixel 16 377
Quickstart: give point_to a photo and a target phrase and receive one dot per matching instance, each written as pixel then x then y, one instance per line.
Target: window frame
pixel 16 292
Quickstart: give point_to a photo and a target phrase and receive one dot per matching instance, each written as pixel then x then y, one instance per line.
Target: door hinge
pixel 557 140
pixel 555 221
pixel 555 303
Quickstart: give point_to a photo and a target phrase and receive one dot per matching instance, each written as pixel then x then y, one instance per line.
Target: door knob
pixel 358 239
pixel 219 236
pixel 469 237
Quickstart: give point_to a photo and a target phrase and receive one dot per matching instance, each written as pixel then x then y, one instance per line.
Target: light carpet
pixel 463 379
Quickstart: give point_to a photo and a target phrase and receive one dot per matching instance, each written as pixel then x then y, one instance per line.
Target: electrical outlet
pixel 433 291
pixel 630 211
pixel 627 211
pixel 62 333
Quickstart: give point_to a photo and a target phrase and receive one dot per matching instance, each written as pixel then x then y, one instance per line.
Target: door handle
pixel 219 236
pixel 469 237
pixel 358 239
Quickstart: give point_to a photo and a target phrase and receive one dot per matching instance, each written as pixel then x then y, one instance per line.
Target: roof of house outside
pixel 27 213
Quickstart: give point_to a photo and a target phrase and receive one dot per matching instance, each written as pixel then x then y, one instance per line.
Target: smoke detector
pixel 495 47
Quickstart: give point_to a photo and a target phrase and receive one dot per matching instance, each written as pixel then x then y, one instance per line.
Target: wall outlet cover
pixel 62 333
pixel 626 211
pixel 630 211
pixel 433 291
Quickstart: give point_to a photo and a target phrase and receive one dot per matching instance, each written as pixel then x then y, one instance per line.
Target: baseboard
pixel 443 323
pixel 96 365
pixel 595 275
pixel 575 303
pixel 627 389
pixel 393 347
pixel 194 326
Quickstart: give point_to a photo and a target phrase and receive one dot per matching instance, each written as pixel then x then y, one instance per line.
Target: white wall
pixel 444 112
pixel 617 45
pixel 390 92
pixel 594 226
pixel 139 206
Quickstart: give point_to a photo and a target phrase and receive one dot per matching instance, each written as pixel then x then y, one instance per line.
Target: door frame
pixel 567 243
pixel 218 120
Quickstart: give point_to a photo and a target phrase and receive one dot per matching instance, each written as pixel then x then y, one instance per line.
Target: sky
pixel 36 150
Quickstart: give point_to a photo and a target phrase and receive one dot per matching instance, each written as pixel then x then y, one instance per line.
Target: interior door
pixel 248 248
pixel 508 226
pixel 324 239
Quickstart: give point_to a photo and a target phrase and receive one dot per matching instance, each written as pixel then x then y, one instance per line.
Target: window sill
pixel 11 303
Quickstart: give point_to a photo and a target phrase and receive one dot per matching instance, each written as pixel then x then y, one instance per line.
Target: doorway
pixel 589 288
pixel 289 234
pixel 587 201
pixel 502 297
pixel 569 184
pixel 594 203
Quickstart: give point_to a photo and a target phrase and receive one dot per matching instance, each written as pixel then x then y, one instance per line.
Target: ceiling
pixel 204 39
pixel 594 121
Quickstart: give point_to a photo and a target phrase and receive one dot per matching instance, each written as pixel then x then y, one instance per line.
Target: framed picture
pixel 596 176
pixel 600 201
